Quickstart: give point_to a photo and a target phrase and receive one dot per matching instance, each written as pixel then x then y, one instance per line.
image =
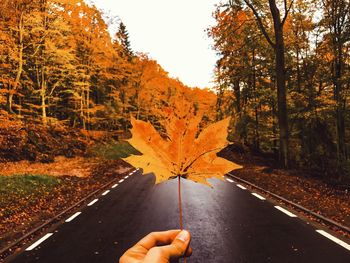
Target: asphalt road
pixel 228 224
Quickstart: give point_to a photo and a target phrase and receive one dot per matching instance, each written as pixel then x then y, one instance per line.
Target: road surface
pixel 228 224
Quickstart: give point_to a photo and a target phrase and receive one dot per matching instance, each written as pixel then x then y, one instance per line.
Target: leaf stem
pixel 180 201
pixel 180 208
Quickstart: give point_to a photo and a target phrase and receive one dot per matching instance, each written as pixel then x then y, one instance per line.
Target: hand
pixel 159 247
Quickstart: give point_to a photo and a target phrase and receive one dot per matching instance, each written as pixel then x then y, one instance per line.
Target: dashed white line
pixel 92 202
pixel 334 239
pixel 72 217
pixel 259 196
pixel 37 243
pixel 285 211
pixel 122 180
pixel 126 177
pixel 106 192
pixel 241 186
pixel 114 186
pixel 229 180
pixel 131 173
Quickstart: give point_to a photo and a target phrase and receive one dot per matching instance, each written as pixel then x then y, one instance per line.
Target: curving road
pixel 228 224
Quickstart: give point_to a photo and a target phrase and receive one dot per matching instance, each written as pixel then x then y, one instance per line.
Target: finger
pixel 189 252
pixel 175 250
pixel 158 239
pixel 179 246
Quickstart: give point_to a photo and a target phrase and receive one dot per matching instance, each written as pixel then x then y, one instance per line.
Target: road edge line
pixel 38 242
pixel 294 205
pixel 334 239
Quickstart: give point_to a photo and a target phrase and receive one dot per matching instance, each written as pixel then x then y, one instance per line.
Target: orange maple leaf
pixel 182 152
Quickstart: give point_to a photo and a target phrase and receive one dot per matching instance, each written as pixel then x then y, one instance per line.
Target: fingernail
pixel 183 236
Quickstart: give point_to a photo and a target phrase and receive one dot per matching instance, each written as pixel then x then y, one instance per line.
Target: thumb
pixel 179 246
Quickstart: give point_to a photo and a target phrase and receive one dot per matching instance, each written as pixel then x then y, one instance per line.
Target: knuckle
pixel 179 249
pixel 123 259
pixel 156 251
pixel 153 235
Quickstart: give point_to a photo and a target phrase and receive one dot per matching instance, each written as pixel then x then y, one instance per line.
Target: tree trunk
pixel 237 92
pixel 82 115
pixel 256 111
pixel 88 115
pixel 43 103
pixel 280 72
pixel 340 106
pixel 19 67
pixel 282 99
pixel 281 84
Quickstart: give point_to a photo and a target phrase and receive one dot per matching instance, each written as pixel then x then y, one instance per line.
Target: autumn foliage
pixel 60 69
pixel 316 119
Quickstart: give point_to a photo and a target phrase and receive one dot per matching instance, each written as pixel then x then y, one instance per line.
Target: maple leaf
pixel 183 151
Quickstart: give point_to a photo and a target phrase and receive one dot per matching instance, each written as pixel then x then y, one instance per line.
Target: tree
pixel 49 57
pixel 337 24
pixel 278 45
pixel 122 36
pixel 12 20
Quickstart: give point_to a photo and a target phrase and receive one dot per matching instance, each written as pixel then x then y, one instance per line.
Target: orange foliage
pixel 185 151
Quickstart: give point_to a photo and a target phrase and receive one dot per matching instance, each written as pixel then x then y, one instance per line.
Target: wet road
pixel 228 224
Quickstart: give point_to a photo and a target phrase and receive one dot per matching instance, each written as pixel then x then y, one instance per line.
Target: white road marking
pixel 229 180
pixel 37 243
pixel 285 211
pixel 131 173
pixel 105 193
pixel 114 186
pixel 241 186
pixel 126 177
pixel 334 239
pixel 92 202
pixel 73 216
pixel 259 196
pixel 122 180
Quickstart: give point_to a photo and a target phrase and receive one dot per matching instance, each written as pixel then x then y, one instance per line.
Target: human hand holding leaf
pixel 184 151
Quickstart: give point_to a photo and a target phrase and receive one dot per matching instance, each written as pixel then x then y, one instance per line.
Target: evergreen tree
pixel 122 37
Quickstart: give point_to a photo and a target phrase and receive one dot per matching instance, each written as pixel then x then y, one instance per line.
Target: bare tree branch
pixel 287 10
pixel 260 23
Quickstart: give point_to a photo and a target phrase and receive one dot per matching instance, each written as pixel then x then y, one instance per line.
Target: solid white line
pixel 334 239
pixel 126 177
pixel 285 211
pixel 114 186
pixel 259 196
pixel 37 243
pixel 92 202
pixel 122 180
pixel 72 217
pixel 241 186
pixel 105 193
pixel 229 180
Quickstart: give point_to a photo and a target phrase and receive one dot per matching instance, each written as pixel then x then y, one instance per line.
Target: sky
pixel 171 32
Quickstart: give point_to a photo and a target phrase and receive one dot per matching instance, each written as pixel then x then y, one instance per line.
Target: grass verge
pixel 113 150
pixel 28 189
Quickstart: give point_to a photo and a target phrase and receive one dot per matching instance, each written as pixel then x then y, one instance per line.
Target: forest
pixel 60 67
pixel 284 73
pixel 85 120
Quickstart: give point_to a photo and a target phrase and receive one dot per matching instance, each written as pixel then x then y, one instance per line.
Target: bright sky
pixel 171 32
